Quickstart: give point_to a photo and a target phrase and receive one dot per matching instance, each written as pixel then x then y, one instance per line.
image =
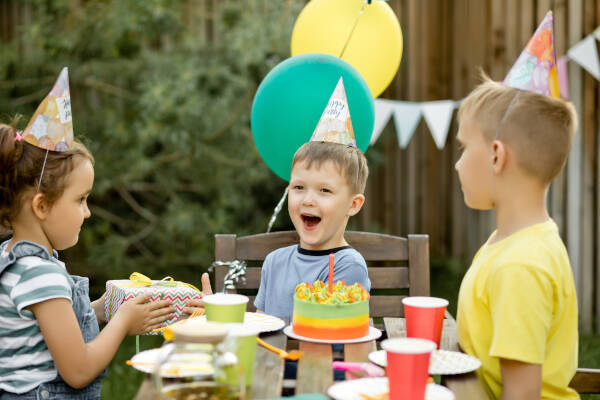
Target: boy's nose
pixel 308 199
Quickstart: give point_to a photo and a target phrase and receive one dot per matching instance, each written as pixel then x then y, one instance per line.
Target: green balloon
pixel 290 100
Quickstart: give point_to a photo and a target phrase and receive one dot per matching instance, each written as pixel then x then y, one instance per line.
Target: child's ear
pixel 499 153
pixel 40 206
pixel 357 202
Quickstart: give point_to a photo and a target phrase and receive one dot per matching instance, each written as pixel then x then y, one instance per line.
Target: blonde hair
pixel 349 160
pixel 539 129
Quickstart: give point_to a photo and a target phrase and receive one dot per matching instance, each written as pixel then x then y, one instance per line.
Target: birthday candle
pixel 330 273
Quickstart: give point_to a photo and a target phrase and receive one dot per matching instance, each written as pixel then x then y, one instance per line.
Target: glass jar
pixel 189 367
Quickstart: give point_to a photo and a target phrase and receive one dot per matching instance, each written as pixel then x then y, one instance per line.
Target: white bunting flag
pixel 585 54
pixel 597 33
pixel 406 119
pixel 383 111
pixel 438 115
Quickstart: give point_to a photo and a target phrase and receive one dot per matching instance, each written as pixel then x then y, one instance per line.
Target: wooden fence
pixel 416 190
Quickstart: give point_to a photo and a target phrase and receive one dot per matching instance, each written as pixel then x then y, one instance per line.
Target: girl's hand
pixel 193 304
pixel 141 317
pixel 98 307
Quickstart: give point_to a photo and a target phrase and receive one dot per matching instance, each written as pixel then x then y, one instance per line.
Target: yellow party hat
pixel 51 127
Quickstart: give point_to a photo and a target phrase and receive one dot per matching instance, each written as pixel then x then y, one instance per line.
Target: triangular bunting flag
pixel 585 54
pixel 563 81
pixel 383 111
pixel 406 119
pixel 597 33
pixel 438 114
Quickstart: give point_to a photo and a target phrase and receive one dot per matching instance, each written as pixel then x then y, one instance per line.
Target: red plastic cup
pixel 407 367
pixel 424 317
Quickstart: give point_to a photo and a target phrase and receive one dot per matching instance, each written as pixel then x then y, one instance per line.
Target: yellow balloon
pixel 372 40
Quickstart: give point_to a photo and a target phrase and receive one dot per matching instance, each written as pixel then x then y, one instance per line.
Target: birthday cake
pixel 342 314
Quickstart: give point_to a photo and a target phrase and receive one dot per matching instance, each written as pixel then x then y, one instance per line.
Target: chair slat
pixel 386 306
pixel 256 247
pixel 586 380
pixel 377 246
pixel 373 246
pixel 381 277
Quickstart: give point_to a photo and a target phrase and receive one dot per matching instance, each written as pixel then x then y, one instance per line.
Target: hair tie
pixel 18 136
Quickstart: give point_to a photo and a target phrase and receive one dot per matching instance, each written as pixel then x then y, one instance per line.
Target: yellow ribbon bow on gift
pixel 138 279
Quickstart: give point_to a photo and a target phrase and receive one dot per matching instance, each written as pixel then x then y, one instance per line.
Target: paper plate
pixel 443 362
pixel 352 390
pixel 373 334
pixel 145 361
pixel 262 322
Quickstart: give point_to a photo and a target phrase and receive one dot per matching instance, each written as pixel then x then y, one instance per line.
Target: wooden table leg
pixel 465 386
pixel 267 380
pixel 314 368
pixel 358 352
pixel 146 391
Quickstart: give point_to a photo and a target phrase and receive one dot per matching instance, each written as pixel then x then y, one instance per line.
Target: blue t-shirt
pixel 286 267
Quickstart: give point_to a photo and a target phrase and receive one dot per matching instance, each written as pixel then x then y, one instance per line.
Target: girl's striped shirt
pixel 25 361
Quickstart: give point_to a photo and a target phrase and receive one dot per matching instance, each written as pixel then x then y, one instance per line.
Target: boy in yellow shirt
pixel 517 306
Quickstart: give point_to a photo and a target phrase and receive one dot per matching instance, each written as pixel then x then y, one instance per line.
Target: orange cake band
pixel 330 323
pixel 331 333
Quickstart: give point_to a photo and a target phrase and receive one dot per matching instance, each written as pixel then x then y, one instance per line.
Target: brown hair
pixel 349 160
pixel 539 129
pixel 21 167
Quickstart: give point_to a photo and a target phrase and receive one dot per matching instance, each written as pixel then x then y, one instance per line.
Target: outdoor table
pixel 314 368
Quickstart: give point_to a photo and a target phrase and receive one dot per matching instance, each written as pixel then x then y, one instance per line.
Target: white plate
pixel 262 322
pixel 145 361
pixel 373 334
pixel 352 390
pixel 443 362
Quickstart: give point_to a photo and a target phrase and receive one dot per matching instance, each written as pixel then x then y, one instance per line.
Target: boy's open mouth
pixel 310 220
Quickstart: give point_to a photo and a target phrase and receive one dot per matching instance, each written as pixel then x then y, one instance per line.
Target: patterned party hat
pixel 335 124
pixel 51 127
pixel 535 69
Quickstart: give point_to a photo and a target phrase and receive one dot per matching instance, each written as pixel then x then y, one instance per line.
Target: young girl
pixel 50 344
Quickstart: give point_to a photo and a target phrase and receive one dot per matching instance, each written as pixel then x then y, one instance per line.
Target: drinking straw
pixel 330 273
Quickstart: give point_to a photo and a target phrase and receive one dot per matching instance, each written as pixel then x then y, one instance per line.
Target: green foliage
pixel 161 94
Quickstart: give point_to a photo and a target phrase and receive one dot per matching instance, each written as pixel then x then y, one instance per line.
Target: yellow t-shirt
pixel 517 301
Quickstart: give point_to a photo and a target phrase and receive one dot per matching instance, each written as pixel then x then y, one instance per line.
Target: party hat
pixel 535 69
pixel 51 127
pixel 335 124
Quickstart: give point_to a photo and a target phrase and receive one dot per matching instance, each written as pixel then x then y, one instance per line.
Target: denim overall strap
pixel 86 317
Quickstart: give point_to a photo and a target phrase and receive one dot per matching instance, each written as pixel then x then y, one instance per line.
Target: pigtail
pixel 11 151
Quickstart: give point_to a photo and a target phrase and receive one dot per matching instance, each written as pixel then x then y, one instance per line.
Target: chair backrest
pixel 411 256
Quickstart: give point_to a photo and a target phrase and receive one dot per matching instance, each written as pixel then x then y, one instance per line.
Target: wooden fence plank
pixel 574 164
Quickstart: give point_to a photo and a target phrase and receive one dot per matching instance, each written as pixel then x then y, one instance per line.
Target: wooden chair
pixel 412 252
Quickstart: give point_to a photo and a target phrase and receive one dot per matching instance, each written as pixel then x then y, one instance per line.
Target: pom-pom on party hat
pixel 335 124
pixel 51 127
pixel 535 69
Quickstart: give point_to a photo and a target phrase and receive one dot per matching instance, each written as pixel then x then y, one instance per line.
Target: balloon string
pixel 353 27
pixel 277 210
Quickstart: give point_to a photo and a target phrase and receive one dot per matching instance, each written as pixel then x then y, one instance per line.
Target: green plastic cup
pixel 241 341
pixel 223 307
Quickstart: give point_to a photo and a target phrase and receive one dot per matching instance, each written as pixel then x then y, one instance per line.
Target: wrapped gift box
pixel 121 290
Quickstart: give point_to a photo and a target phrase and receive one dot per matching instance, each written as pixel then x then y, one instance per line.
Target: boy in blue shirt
pixel 326 188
